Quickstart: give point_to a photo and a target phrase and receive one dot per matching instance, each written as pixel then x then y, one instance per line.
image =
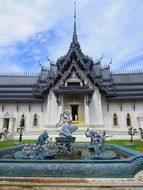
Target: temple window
pixel 35 120
pixel 128 120
pixel 23 120
pixel 115 120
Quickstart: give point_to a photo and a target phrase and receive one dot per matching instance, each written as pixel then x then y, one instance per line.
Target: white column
pixel 11 125
pixel 100 115
pixel 41 116
pixel 40 120
pixel 122 120
pixel 1 123
pixel 60 106
pixel 48 108
pixel 86 108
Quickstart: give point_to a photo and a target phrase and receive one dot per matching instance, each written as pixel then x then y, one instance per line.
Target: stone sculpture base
pixel 64 143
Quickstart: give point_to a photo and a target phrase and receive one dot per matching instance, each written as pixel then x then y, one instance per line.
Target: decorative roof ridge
pixel 137 71
pixel 98 60
pixel 45 68
pixel 105 66
pixel 22 74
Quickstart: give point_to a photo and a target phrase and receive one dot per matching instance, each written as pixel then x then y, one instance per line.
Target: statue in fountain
pixel 42 138
pixel 64 125
pixel 65 130
pixel 39 151
pixel 97 143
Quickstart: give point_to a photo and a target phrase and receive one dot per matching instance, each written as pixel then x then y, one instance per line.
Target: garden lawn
pixel 9 143
pixel 137 144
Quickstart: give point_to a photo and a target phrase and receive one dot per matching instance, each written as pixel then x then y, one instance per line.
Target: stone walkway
pixel 23 183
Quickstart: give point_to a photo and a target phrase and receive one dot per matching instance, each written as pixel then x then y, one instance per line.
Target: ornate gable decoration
pixel 73 78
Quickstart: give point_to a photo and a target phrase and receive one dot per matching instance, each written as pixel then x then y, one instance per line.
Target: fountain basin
pixel 126 167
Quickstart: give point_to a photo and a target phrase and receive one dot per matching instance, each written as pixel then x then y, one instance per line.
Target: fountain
pixel 39 151
pixel 65 158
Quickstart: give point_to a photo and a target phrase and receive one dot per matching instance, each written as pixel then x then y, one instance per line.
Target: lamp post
pixel 132 132
pixel 21 128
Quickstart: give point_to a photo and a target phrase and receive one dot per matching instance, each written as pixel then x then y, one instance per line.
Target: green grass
pixel 10 143
pixel 137 144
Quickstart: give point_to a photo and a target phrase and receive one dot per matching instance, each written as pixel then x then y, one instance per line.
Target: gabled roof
pixel 75 60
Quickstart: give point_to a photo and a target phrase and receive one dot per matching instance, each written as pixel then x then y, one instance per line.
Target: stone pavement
pixel 28 183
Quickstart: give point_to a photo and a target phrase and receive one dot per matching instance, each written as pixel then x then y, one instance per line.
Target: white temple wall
pixel 10 107
pixel 23 108
pixel 101 114
pixel 121 110
pixel 14 115
pixel 35 108
pixel 105 113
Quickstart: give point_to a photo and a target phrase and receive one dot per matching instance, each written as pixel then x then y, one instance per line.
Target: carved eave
pixel 74 90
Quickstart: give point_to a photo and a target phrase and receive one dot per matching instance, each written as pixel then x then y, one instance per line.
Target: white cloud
pixel 10 67
pixel 21 19
pixel 110 27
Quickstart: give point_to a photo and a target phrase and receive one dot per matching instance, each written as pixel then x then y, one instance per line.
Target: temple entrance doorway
pixel 6 123
pixel 74 112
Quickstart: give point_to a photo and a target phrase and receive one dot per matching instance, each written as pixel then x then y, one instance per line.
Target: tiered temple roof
pixel 15 88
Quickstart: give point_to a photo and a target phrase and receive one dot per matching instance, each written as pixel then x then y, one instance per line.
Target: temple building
pixel 97 98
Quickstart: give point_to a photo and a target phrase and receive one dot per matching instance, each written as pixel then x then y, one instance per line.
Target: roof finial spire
pixel 74 30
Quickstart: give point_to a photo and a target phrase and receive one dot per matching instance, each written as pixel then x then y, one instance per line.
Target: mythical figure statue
pixel 65 139
pixel 97 141
pixel 42 138
pixel 64 125
pixel 39 151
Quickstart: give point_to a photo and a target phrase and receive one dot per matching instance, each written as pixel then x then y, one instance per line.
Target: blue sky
pixel 32 30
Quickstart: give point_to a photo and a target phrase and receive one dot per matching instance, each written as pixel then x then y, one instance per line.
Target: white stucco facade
pixel 98 115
